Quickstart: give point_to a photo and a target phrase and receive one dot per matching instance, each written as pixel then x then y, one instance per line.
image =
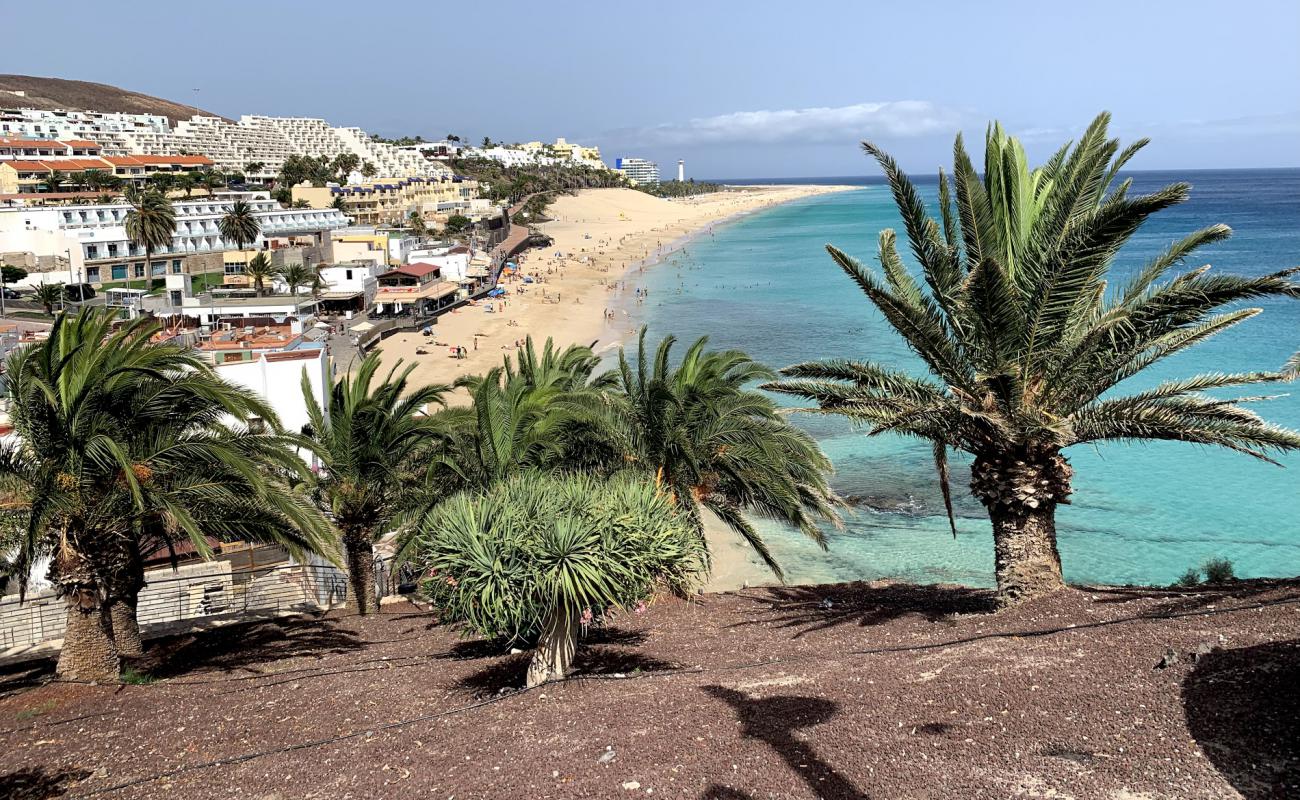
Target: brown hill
pixel 58 93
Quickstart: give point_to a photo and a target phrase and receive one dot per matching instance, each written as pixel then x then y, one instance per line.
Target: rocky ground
pixel 852 691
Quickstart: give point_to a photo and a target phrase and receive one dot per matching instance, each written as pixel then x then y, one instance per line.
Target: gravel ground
pixel 848 691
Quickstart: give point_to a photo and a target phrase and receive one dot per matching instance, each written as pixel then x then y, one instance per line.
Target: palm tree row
pixel 693 435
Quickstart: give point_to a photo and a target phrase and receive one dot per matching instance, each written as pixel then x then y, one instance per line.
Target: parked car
pixel 78 292
pixel 11 294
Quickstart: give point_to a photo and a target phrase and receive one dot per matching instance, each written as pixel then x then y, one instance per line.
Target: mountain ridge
pixel 52 94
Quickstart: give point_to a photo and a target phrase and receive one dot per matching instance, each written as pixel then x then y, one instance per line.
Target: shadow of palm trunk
pixel 774 720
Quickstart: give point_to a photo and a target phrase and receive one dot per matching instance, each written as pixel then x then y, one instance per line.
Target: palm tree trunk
pixel 1026 560
pixel 1021 490
pixel 553 658
pixel 361 570
pixel 123 604
pixel 122 611
pixel 89 651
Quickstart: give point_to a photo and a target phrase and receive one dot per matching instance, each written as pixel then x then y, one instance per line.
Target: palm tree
pixel 415 220
pixel 54 180
pixel 1027 347
pixel 47 294
pixel 95 179
pixel 118 440
pixel 163 182
pixel 240 225
pixel 186 182
pixel 372 443
pixel 259 270
pixel 213 180
pixel 715 445
pixel 151 224
pixel 368 169
pixel 300 203
pixel 296 275
pixel 530 560
pixel 541 411
pixel 253 167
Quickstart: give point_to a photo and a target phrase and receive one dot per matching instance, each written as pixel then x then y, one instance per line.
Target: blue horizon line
pixel 935 175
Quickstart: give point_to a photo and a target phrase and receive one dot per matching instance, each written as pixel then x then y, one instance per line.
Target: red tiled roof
pixel 417 270
pixel 7 142
pixel 61 164
pixel 292 355
pixel 149 161
pixel 81 143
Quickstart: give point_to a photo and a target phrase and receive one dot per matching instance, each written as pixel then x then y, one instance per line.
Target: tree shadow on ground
pixel 247 647
pixel 1188 600
pixel 36 783
pixel 590 661
pixel 1243 708
pixel 716 792
pixel 818 608
pixel 774 720
pixel 20 677
pixel 473 649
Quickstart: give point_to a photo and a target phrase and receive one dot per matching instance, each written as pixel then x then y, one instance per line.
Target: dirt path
pixel 841 692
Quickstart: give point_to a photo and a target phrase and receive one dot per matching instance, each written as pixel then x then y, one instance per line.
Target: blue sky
pixel 738 89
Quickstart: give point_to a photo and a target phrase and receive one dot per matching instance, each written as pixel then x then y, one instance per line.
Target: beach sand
pixel 603 240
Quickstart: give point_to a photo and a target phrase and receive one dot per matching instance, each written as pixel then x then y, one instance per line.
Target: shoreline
pixel 603 239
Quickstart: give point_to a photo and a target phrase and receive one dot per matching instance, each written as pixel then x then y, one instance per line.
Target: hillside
pixel 58 93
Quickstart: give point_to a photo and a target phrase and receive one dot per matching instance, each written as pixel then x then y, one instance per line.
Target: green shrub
pixel 1218 570
pixel 538 556
pixel 135 678
pixel 1191 577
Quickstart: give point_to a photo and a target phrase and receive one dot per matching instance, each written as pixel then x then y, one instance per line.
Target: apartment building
pixel 90 244
pixel 111 131
pixel 19 148
pixel 32 176
pixel 231 146
pixel 269 141
pixel 390 201
pixel 638 170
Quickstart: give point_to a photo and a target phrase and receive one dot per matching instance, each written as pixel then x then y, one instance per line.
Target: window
pixel 92 274
pixel 176 266
pixel 234 269
pixel 348 274
pixel 158 268
pixel 256 425
pixel 112 250
pixel 138 269
pixel 119 272
pixel 92 251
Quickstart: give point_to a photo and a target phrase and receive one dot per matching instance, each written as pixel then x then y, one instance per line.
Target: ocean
pixel 1141 514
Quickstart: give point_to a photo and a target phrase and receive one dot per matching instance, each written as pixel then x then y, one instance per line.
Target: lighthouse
pixel 681 170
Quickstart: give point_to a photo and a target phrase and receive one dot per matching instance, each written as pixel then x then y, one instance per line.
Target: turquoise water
pixel 1141 514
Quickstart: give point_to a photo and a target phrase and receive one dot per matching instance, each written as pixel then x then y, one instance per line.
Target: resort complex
pixel 349 463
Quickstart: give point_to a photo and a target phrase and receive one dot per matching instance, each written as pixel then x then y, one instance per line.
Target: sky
pixel 737 89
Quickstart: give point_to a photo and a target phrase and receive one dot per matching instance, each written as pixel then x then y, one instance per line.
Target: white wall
pixel 279 383
pixel 454 265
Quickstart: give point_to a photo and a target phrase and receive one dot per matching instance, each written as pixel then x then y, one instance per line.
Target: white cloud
pixel 894 119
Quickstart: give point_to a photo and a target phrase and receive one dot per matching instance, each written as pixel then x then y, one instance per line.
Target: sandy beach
pixel 604 241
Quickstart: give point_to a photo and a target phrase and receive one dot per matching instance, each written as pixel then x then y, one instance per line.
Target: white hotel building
pixel 638 170
pixel 230 145
pixel 90 245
